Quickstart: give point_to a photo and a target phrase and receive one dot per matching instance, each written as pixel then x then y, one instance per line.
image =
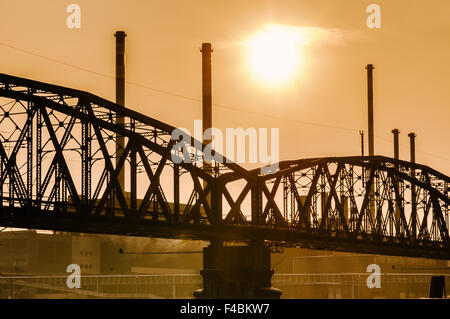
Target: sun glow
pixel 274 53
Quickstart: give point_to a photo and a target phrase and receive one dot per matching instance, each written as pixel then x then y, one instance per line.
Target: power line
pixel 54 60
pixel 287 119
pixel 236 109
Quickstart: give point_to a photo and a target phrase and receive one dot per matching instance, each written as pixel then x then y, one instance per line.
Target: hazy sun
pixel 274 53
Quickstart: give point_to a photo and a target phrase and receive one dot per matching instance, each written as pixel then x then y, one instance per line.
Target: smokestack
pixel 362 142
pixel 369 68
pixel 207 104
pixel 207 94
pixel 206 87
pixel 396 156
pixel 120 97
pixel 396 149
pixel 412 143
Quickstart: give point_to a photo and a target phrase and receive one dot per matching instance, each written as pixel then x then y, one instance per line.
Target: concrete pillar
pixel 237 272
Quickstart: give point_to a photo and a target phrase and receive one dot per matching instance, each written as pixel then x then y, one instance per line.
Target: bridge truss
pixel 59 168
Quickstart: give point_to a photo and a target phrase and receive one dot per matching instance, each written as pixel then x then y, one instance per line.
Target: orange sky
pixel 409 52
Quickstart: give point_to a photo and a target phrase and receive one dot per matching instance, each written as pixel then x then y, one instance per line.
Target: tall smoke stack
pixel 396 132
pixel 207 95
pixel 370 68
pixel 396 144
pixel 412 141
pixel 206 105
pixel 206 88
pixel 120 97
pixel 361 133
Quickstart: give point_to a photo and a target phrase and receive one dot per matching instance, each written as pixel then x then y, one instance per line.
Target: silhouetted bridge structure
pixel 60 166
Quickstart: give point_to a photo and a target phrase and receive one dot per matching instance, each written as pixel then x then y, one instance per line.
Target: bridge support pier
pixel 237 272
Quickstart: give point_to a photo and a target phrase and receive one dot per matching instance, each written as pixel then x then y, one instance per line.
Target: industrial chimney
pixel 412 143
pixel 120 97
pixel 412 140
pixel 206 95
pixel 206 87
pixel 396 144
pixel 369 68
pixel 361 133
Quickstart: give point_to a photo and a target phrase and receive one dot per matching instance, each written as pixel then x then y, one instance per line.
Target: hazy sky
pixel 410 53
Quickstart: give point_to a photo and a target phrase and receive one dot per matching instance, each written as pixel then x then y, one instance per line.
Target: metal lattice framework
pixel 60 165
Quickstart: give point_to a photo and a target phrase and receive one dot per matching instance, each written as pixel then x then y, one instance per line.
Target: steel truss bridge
pixel 60 165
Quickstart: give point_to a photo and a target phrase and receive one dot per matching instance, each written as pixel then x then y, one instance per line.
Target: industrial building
pixel 33 265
